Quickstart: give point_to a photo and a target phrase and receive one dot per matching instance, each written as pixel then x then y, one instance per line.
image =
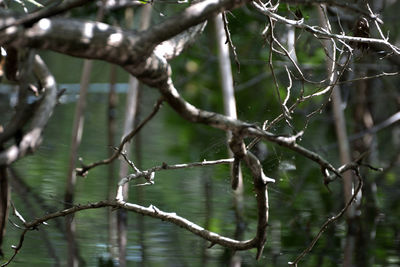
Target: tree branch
pixel 334 218
pixel 321 33
pixel 165 166
pixel 31 140
pixel 85 168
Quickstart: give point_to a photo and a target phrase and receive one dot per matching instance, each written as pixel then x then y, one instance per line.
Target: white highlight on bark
pixel 102 26
pixel 115 39
pixel 50 81
pixel 88 31
pixel 44 24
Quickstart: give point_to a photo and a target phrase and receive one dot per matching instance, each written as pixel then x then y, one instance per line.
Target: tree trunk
pixel 130 112
pixel 4 203
pixel 230 110
pixel 111 186
pixel 341 134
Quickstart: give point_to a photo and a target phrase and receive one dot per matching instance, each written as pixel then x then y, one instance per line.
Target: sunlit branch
pixel 288 89
pixel 273 40
pixel 286 52
pixel 151 211
pixel 377 24
pixel 174 46
pixel 130 163
pixel 219 121
pixel 321 33
pixel 16 213
pixel 52 9
pixel 328 90
pixel 166 166
pixel 191 16
pixel 214 238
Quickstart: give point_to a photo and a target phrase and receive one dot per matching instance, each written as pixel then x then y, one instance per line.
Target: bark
pixel 230 111
pixel 130 116
pixel 73 251
pixel 31 139
pixel 145 55
pixel 74 259
pixel 111 133
pixel 342 138
pixel 367 144
pixel 4 203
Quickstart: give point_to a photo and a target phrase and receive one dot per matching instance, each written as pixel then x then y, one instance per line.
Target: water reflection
pixel 202 195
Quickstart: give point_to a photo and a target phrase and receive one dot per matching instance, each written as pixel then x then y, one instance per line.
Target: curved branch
pixel 216 120
pixel 191 16
pixel 174 46
pixel 101 41
pixel 214 238
pixel 261 182
pixel 151 211
pixel 32 139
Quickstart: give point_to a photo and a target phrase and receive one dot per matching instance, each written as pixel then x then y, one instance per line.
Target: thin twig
pixel 383 74
pixel 271 66
pixel 17 214
pixel 130 163
pixel 288 88
pixel 331 220
pixel 377 24
pixel 229 40
pixel 52 10
pixel 16 248
pixel 151 211
pixel 85 168
pixel 165 166
pixel 320 32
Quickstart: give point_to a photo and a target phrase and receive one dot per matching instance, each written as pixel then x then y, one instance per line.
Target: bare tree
pixel 146 55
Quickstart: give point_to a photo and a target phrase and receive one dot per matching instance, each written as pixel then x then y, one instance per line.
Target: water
pixel 299 203
pixel 178 191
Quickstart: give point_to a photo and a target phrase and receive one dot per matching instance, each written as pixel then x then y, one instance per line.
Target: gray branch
pixel 32 139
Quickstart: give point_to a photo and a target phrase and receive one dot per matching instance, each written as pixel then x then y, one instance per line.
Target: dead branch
pixel 32 138
pixel 322 33
pixel 85 168
pixel 332 219
pixel 165 166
